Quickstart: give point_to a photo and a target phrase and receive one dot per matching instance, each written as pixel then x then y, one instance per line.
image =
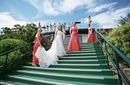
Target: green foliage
pixel 26 33
pixel 14 58
pixel 1 37
pixel 120 37
pixel 11 56
pixel 14 61
pixel 123 20
pixel 9 44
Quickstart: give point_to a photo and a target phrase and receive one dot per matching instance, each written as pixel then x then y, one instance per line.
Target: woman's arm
pixel 62 38
pixel 55 33
pixel 38 39
pixel 70 30
pixel 77 30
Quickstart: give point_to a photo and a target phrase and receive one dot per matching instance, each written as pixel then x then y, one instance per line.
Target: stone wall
pixel 105 31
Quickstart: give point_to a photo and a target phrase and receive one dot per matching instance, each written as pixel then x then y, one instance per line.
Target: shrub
pixel 120 37
pixel 15 58
pixel 9 44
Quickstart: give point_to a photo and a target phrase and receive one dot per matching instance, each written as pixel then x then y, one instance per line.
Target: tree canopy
pixel 123 20
pixel 26 33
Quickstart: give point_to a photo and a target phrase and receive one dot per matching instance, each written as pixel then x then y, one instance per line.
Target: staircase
pixel 86 67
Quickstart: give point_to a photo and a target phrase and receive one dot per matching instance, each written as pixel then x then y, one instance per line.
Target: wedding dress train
pixel 46 58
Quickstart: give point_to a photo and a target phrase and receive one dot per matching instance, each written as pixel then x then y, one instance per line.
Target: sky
pixel 104 13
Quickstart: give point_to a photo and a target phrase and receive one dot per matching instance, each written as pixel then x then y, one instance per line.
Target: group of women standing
pixel 46 58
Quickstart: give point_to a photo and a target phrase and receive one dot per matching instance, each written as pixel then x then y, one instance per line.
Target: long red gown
pixel 91 37
pixel 35 47
pixel 73 44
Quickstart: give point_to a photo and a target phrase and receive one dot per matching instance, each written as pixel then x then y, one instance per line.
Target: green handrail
pixel 4 67
pixel 117 53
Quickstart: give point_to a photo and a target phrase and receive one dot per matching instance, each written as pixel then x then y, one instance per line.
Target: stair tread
pixel 41 81
pixel 49 81
pixel 81 57
pixel 95 70
pixel 81 64
pixel 68 75
pixel 73 71
pixel 82 60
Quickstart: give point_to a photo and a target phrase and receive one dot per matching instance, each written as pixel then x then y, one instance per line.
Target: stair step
pixel 77 66
pixel 87 48
pixel 81 66
pixel 87 51
pixel 81 57
pixel 69 70
pixel 82 44
pixel 81 78
pixel 12 83
pixel 34 81
pixel 47 81
pixel 84 54
pixel 84 49
pixel 81 61
pixel 85 44
pixel 81 51
pixel 61 73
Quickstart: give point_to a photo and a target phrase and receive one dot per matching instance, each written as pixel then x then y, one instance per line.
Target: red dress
pixel 35 47
pixel 91 37
pixel 73 44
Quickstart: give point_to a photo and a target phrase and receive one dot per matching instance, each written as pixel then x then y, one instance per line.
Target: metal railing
pixel 9 65
pixel 104 43
pixel 14 63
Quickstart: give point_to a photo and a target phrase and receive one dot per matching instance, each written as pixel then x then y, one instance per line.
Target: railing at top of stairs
pixel 103 42
pixel 8 65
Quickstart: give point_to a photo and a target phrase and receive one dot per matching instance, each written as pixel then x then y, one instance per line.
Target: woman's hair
pixel 74 24
pixel 60 27
pixel 39 29
pixel 89 25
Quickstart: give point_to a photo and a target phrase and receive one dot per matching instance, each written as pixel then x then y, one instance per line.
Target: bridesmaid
pixel 37 43
pixel 91 37
pixel 73 44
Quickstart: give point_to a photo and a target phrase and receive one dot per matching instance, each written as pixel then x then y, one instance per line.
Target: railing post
pixel 95 34
pixel 24 57
pixel 117 65
pixel 99 41
pixel 5 64
pixel 105 48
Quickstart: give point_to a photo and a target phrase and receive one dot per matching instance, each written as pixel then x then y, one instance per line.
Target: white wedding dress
pixel 64 32
pixel 57 45
pixel 46 58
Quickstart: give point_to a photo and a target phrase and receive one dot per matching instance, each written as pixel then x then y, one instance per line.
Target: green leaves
pixel 26 33
pixel 9 44
pixel 124 19
pixel 120 37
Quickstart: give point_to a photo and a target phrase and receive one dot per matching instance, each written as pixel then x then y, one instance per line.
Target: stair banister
pixel 117 53
pixel 4 67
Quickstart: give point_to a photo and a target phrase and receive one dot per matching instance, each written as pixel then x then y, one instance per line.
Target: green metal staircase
pixel 86 67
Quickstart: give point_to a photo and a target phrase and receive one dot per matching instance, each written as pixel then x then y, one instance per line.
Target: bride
pixel 46 58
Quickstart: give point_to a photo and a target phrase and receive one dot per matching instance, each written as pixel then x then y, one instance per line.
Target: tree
pixel 124 20
pixel 26 33
pixel 7 32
